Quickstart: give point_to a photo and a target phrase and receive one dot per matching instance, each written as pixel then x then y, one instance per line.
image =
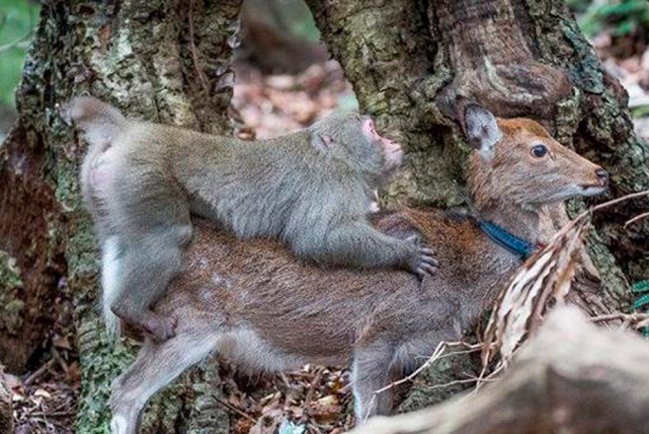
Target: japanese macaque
pixel 312 189
pixel 253 303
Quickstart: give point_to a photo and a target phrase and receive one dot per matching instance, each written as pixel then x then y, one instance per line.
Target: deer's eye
pixel 539 151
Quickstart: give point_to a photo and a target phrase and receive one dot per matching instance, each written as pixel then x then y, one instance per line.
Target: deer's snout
pixel 602 175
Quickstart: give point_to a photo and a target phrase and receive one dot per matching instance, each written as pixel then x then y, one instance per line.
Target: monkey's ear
pixel 481 129
pixel 321 141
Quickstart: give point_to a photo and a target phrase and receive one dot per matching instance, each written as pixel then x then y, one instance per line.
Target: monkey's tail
pixel 110 270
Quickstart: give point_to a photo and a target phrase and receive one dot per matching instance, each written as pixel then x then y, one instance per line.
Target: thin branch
pixel 235 409
pixel 616 201
pixel 620 316
pixel 437 354
pixel 39 372
pixel 456 382
pixel 636 218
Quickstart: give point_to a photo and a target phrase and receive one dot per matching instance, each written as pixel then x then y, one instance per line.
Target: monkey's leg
pixel 148 263
pixel 157 364
pixel 370 373
pixel 360 245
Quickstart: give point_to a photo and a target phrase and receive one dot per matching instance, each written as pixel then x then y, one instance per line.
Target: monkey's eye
pixel 539 151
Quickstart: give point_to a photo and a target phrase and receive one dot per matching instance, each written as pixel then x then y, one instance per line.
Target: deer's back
pixel 315 311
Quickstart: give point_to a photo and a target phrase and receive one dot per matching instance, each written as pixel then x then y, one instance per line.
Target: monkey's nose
pixel 603 176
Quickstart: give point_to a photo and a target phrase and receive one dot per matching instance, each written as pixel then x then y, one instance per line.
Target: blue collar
pixel 506 239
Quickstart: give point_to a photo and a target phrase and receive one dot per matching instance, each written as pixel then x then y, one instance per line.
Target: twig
pixel 615 201
pixel 632 317
pixel 39 372
pixel 235 409
pixel 454 383
pixel 441 347
pixel 589 211
pixel 635 219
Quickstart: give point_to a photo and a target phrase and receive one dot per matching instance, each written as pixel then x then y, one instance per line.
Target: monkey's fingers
pixel 429 260
pixel 429 268
pixel 427 251
pixel 425 269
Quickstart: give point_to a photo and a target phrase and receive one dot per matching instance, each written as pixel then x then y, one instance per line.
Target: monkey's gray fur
pixel 312 189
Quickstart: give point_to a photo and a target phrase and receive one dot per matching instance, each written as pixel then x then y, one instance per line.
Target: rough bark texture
pixel 164 61
pixel 6 409
pixel 572 377
pixel 410 60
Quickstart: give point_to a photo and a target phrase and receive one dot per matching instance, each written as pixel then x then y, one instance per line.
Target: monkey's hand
pixel 422 260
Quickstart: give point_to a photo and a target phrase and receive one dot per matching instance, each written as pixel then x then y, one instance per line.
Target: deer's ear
pixel 481 129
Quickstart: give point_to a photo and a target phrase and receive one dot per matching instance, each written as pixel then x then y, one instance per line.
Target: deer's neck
pixel 521 222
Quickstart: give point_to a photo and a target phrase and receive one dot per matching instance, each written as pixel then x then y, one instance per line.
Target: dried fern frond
pixel 546 275
pixel 520 305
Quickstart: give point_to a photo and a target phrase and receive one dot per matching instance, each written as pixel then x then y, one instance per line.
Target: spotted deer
pixel 255 304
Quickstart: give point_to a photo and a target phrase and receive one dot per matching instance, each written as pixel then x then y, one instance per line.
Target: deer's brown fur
pixel 252 302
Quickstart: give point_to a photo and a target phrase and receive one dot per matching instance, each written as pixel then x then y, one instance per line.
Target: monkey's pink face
pixel 392 152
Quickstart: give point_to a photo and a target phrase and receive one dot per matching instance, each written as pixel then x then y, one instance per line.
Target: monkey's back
pixel 281 188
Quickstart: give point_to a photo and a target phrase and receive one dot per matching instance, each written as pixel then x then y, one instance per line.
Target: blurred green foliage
pixel 17 21
pixel 300 21
pixel 291 17
pixel 620 17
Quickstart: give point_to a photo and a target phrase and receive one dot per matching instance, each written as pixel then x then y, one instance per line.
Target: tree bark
pixel 162 61
pixel 6 409
pixel 409 61
pixel 572 377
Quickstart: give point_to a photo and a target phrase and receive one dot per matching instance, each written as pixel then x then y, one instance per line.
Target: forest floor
pixel 314 399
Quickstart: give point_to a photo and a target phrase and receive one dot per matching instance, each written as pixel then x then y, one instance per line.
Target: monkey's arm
pixel 360 245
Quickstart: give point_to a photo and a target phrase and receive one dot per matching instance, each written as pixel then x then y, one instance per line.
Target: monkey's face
pixel 352 139
pixel 367 150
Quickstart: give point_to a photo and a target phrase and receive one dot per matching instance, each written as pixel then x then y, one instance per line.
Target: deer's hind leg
pixel 156 365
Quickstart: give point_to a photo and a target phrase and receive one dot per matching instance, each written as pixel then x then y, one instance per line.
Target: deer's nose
pixel 603 176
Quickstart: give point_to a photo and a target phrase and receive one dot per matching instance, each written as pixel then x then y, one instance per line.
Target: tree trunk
pixel 572 377
pixel 164 61
pixel 409 61
pixel 6 409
